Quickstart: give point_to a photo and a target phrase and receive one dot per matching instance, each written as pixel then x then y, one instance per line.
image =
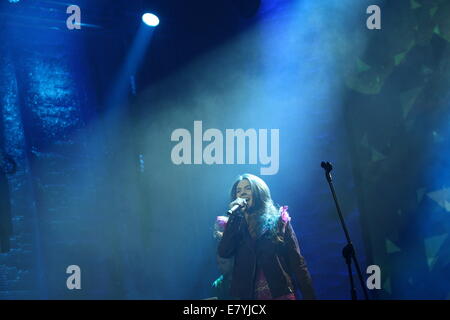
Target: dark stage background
pixel 88 114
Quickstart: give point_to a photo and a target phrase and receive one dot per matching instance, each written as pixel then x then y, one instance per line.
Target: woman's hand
pixel 239 201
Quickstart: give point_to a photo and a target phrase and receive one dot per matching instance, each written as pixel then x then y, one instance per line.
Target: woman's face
pixel 244 190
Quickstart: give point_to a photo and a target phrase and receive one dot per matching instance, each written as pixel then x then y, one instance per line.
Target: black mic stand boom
pixel 349 251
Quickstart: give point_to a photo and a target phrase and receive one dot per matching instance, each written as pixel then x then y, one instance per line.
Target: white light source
pixel 150 19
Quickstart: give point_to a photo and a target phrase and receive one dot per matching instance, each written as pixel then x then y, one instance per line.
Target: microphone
pixel 327 167
pixel 240 204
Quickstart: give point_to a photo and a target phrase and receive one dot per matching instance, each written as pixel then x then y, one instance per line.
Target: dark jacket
pixel 280 262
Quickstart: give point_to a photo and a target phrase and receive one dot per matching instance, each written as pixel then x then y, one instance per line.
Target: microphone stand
pixel 349 251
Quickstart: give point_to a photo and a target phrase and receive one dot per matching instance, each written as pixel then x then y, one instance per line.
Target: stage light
pixel 150 19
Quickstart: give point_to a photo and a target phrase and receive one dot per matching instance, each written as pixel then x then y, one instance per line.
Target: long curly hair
pixel 263 204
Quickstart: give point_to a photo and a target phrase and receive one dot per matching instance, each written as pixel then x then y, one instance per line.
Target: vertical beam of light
pixel 113 128
pixel 121 87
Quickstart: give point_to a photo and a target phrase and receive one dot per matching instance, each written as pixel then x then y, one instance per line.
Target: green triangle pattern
pixel 415 4
pixel 361 65
pixel 377 156
pixel 398 58
pixel 408 98
pixel 391 247
pixel 432 247
pixel 437 30
pixel 441 197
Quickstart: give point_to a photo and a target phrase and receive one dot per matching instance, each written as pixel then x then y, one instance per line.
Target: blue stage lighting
pixel 150 19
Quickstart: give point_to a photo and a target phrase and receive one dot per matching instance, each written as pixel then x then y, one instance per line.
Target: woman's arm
pixel 297 264
pixel 231 237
